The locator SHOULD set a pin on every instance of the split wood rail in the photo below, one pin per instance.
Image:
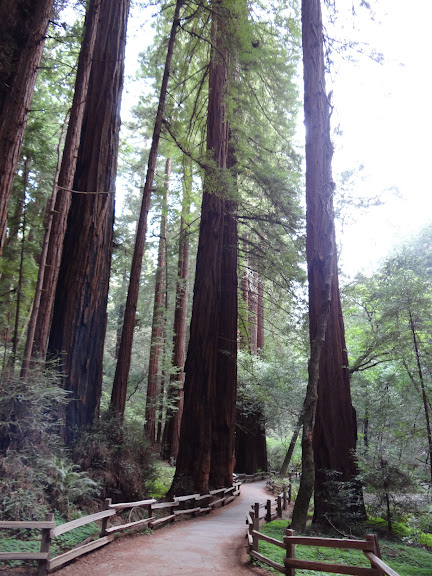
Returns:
(253, 477)
(369, 547)
(263, 513)
(193, 504)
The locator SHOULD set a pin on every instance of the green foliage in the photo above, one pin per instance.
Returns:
(36, 475)
(341, 499)
(391, 375)
(389, 491)
(74, 537)
(275, 383)
(68, 486)
(118, 458)
(163, 480)
(277, 449)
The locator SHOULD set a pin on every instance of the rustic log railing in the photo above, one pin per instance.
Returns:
(263, 513)
(369, 547)
(275, 488)
(193, 504)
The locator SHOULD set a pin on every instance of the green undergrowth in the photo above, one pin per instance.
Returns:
(406, 533)
(30, 540)
(162, 483)
(406, 560)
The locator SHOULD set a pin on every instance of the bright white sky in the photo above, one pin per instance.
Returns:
(384, 114)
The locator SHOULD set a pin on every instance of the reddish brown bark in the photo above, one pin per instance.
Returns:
(170, 444)
(58, 208)
(79, 319)
(157, 333)
(260, 314)
(194, 457)
(23, 26)
(253, 314)
(329, 425)
(224, 407)
(118, 395)
(244, 310)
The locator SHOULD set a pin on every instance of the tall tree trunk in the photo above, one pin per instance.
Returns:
(244, 311)
(423, 390)
(79, 319)
(329, 427)
(260, 313)
(23, 27)
(19, 291)
(290, 451)
(170, 443)
(157, 333)
(42, 264)
(253, 314)
(224, 407)
(118, 395)
(194, 456)
(58, 208)
(120, 315)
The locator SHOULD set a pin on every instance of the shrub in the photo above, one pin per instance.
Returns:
(36, 475)
(119, 458)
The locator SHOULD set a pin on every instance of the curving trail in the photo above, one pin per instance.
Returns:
(213, 544)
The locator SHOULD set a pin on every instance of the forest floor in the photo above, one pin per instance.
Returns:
(213, 544)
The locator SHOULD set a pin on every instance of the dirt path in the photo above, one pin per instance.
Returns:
(211, 545)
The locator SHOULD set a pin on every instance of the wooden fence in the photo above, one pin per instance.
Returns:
(369, 547)
(253, 477)
(275, 488)
(157, 513)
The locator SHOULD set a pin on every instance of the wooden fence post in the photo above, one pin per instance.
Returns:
(105, 521)
(255, 530)
(250, 529)
(249, 521)
(376, 549)
(284, 496)
(256, 517)
(45, 547)
(290, 551)
(268, 513)
(289, 492)
(279, 506)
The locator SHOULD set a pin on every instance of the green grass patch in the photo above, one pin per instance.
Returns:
(406, 560)
(164, 477)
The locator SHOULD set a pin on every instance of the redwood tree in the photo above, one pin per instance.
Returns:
(118, 395)
(58, 207)
(201, 381)
(23, 27)
(329, 425)
(79, 319)
(171, 436)
(157, 333)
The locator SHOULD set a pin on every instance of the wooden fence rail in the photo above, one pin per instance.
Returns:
(193, 504)
(369, 547)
